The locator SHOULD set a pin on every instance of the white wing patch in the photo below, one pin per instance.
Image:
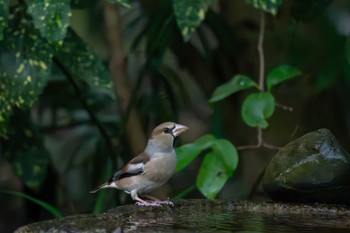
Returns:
(111, 185)
(135, 167)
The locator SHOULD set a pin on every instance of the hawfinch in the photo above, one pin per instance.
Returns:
(151, 168)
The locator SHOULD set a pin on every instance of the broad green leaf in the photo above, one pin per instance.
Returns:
(54, 211)
(189, 14)
(212, 175)
(281, 74)
(228, 154)
(258, 107)
(25, 66)
(81, 62)
(186, 154)
(4, 14)
(50, 17)
(238, 83)
(270, 6)
(126, 3)
(205, 142)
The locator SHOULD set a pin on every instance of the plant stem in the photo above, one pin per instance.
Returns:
(86, 106)
(260, 48)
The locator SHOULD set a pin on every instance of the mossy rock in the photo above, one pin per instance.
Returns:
(312, 168)
(202, 216)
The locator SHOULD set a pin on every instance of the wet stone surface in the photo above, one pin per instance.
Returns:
(205, 216)
(312, 168)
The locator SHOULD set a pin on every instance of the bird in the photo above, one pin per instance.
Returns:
(151, 168)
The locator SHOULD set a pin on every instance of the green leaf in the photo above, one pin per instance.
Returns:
(189, 14)
(205, 142)
(212, 175)
(281, 74)
(126, 3)
(25, 67)
(238, 83)
(50, 17)
(270, 6)
(257, 108)
(4, 14)
(54, 211)
(187, 153)
(80, 60)
(228, 154)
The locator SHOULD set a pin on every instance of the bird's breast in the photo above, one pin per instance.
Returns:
(160, 169)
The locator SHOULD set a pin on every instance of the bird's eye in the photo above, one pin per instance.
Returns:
(167, 130)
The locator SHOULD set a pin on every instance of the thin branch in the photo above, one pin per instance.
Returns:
(260, 48)
(284, 107)
(86, 106)
(271, 147)
(256, 146)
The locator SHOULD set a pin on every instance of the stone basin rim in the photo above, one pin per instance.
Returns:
(121, 213)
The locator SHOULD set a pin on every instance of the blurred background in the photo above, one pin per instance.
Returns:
(120, 71)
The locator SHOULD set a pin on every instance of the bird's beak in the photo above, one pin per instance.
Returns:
(179, 129)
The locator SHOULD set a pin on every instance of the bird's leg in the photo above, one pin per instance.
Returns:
(141, 202)
(156, 200)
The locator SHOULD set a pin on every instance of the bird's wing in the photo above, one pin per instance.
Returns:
(133, 168)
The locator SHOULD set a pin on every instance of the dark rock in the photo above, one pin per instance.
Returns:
(201, 216)
(312, 168)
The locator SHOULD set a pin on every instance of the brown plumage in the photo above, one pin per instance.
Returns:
(151, 168)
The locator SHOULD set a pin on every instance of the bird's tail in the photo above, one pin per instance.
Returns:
(103, 186)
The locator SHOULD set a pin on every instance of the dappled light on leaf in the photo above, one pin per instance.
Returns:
(51, 18)
(25, 65)
(189, 14)
(4, 13)
(270, 6)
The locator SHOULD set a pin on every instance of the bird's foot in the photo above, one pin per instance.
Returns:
(148, 203)
(166, 202)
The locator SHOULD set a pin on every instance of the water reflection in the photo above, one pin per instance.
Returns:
(232, 221)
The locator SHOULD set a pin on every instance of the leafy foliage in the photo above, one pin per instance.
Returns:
(257, 107)
(4, 13)
(25, 65)
(219, 163)
(80, 60)
(50, 17)
(270, 6)
(189, 14)
(281, 74)
(239, 82)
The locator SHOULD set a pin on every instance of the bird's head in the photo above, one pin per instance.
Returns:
(163, 136)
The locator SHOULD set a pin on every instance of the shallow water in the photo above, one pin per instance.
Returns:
(235, 221)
